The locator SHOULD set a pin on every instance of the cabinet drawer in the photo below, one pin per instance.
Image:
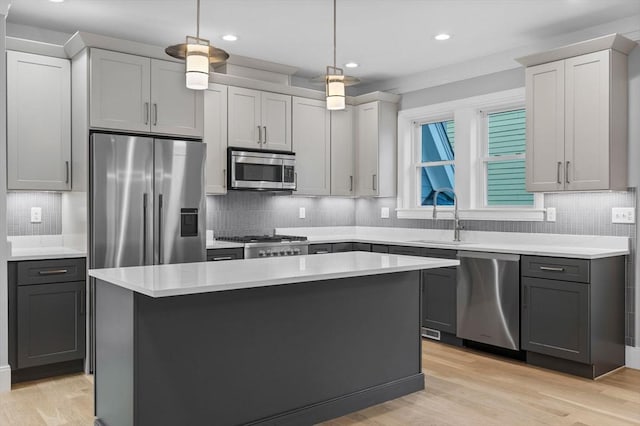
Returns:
(341, 247)
(379, 248)
(576, 270)
(51, 271)
(441, 253)
(320, 248)
(361, 247)
(217, 255)
(407, 251)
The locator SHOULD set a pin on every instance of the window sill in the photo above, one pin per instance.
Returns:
(506, 214)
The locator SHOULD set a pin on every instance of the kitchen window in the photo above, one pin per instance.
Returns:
(475, 146)
(503, 168)
(435, 167)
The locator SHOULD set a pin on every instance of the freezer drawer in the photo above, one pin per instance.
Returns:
(488, 300)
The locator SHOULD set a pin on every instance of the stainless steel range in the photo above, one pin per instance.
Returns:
(271, 245)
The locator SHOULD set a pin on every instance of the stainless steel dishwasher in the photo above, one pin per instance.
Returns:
(488, 301)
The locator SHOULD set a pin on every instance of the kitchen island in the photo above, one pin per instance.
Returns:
(288, 341)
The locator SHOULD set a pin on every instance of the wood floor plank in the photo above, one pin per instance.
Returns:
(463, 387)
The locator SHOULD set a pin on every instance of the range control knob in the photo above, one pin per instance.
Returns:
(261, 253)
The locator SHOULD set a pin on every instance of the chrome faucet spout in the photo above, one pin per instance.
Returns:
(456, 219)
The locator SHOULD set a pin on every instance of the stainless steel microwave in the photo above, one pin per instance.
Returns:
(261, 170)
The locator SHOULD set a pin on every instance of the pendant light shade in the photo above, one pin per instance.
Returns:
(198, 55)
(334, 79)
(197, 62)
(335, 89)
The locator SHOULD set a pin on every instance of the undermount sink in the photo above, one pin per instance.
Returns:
(440, 243)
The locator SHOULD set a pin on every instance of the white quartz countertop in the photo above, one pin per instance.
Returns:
(555, 245)
(205, 277)
(215, 244)
(39, 247)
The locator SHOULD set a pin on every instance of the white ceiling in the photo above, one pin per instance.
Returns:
(388, 38)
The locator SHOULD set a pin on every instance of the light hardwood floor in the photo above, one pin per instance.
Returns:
(463, 387)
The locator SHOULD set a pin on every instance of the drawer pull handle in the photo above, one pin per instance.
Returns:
(223, 258)
(53, 272)
(551, 269)
(322, 252)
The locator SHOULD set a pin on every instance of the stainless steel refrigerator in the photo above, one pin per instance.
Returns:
(147, 202)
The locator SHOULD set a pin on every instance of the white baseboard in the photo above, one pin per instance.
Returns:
(633, 357)
(5, 378)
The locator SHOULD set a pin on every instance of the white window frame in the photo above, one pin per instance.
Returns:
(469, 164)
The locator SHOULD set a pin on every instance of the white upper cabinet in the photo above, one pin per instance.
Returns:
(134, 93)
(259, 120)
(376, 149)
(120, 93)
(342, 152)
(312, 145)
(215, 137)
(175, 109)
(577, 121)
(38, 122)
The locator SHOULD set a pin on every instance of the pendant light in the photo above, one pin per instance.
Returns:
(198, 54)
(335, 77)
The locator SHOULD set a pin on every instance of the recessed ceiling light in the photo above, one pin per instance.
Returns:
(229, 37)
(56, 1)
(442, 37)
(351, 65)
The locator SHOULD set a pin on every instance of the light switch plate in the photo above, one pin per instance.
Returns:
(302, 213)
(36, 214)
(551, 214)
(623, 215)
(384, 212)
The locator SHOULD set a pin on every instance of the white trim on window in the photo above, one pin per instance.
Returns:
(469, 163)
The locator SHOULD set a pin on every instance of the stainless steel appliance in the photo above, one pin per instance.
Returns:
(147, 202)
(488, 304)
(271, 245)
(261, 170)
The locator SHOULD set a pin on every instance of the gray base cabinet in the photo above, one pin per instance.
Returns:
(47, 317)
(439, 299)
(572, 314)
(51, 323)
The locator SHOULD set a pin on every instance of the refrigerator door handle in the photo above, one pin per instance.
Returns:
(144, 228)
(160, 229)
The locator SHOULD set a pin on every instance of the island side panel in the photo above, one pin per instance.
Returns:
(288, 354)
(114, 370)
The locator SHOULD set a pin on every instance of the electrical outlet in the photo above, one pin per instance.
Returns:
(623, 215)
(36, 214)
(384, 212)
(551, 214)
(302, 213)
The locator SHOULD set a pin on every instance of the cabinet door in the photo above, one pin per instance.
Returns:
(218, 255)
(120, 91)
(245, 126)
(312, 144)
(341, 247)
(320, 248)
(367, 150)
(555, 318)
(545, 127)
(51, 323)
(215, 138)
(439, 299)
(276, 121)
(38, 122)
(342, 152)
(587, 121)
(175, 110)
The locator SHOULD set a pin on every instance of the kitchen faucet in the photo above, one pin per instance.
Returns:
(456, 219)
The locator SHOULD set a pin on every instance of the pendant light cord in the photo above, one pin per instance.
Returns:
(334, 33)
(198, 21)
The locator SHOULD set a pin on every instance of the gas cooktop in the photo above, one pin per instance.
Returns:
(271, 245)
